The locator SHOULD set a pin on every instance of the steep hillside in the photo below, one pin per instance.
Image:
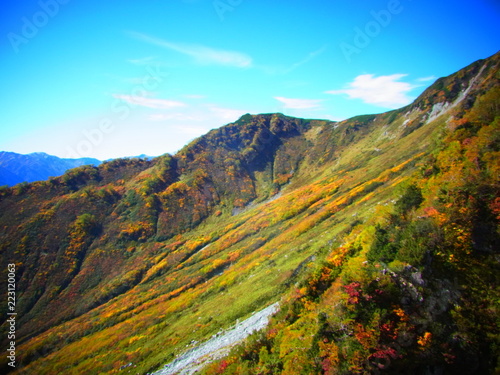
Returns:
(378, 235)
(17, 168)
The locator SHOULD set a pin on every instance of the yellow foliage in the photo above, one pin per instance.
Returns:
(425, 340)
(135, 338)
(330, 354)
(401, 314)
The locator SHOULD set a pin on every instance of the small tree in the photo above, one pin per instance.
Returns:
(412, 198)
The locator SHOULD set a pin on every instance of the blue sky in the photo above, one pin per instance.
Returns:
(116, 78)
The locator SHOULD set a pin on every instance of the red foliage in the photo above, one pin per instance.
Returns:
(222, 366)
(382, 357)
(386, 352)
(354, 291)
(387, 330)
(495, 207)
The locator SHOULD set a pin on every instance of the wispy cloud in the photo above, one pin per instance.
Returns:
(311, 56)
(178, 116)
(427, 79)
(383, 91)
(206, 114)
(299, 103)
(149, 102)
(193, 131)
(226, 114)
(282, 70)
(201, 54)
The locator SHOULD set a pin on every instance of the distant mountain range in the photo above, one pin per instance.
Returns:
(16, 168)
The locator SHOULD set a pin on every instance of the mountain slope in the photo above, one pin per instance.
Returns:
(38, 166)
(134, 260)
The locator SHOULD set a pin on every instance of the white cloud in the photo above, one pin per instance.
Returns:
(202, 54)
(226, 114)
(149, 102)
(299, 103)
(306, 59)
(283, 70)
(427, 79)
(333, 118)
(207, 114)
(177, 116)
(382, 91)
(193, 131)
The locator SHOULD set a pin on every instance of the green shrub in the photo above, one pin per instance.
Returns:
(418, 238)
(383, 248)
(412, 198)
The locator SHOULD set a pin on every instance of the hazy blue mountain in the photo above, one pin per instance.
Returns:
(16, 168)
